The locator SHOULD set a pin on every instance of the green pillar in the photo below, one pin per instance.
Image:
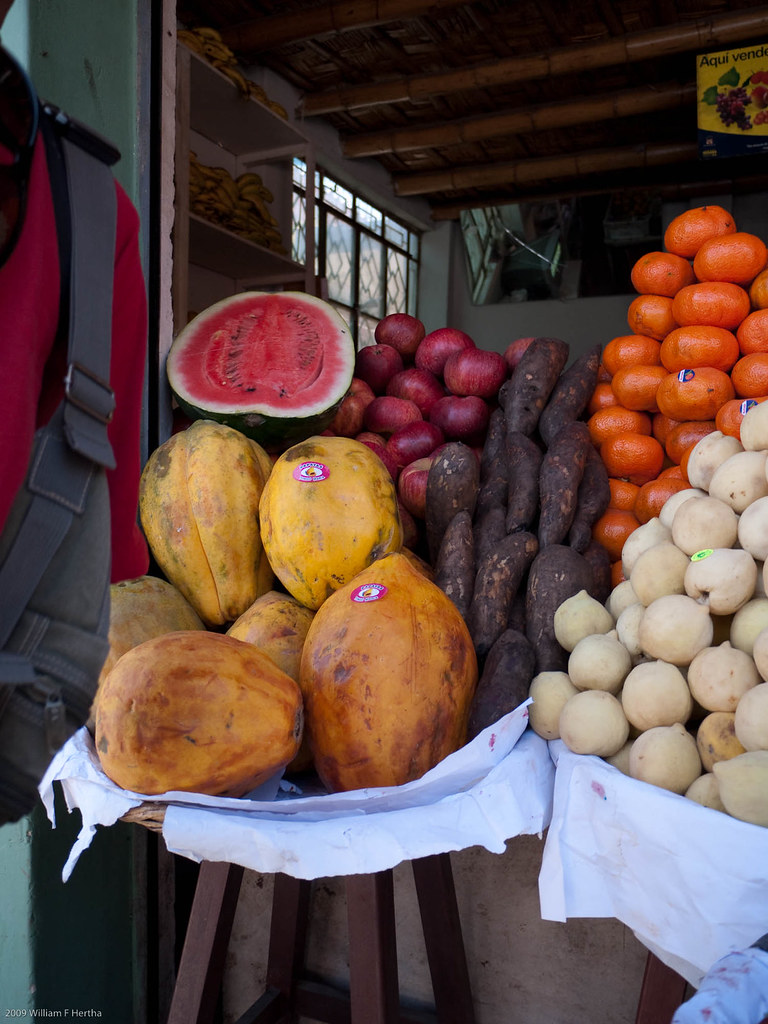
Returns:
(80, 944)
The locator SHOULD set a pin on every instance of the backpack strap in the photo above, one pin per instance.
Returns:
(89, 400)
(66, 458)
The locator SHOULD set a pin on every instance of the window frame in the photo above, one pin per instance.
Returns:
(361, 321)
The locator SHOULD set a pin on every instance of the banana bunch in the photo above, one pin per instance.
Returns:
(207, 42)
(240, 205)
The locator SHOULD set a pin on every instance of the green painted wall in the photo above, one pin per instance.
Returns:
(80, 944)
(83, 58)
(16, 948)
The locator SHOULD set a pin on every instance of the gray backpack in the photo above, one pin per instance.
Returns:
(55, 547)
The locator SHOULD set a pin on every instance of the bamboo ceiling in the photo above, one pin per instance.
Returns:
(468, 104)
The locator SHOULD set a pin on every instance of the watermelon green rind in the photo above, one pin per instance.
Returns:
(274, 366)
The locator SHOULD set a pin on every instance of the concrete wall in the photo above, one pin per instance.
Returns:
(582, 322)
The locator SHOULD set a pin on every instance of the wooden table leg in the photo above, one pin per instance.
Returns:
(373, 981)
(287, 947)
(201, 969)
(662, 993)
(443, 938)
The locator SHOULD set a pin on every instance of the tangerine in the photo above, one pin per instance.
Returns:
(612, 529)
(750, 375)
(602, 398)
(730, 415)
(686, 232)
(684, 435)
(758, 291)
(661, 426)
(652, 496)
(629, 350)
(716, 303)
(635, 457)
(623, 493)
(675, 472)
(617, 574)
(651, 315)
(752, 332)
(661, 273)
(615, 419)
(737, 258)
(603, 376)
(699, 345)
(694, 394)
(635, 386)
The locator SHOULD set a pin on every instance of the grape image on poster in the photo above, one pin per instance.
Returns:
(732, 89)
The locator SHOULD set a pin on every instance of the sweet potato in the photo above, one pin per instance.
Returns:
(527, 391)
(571, 394)
(556, 573)
(600, 563)
(523, 466)
(489, 530)
(517, 611)
(504, 682)
(593, 498)
(496, 584)
(452, 486)
(455, 563)
(492, 490)
(562, 468)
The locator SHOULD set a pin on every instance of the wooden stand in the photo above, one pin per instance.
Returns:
(373, 996)
(662, 993)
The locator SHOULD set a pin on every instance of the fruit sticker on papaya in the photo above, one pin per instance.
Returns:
(368, 592)
(311, 472)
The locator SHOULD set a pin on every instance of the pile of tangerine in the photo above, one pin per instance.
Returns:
(695, 360)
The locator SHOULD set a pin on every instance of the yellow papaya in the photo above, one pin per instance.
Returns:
(328, 510)
(388, 672)
(199, 509)
(277, 624)
(140, 609)
(197, 711)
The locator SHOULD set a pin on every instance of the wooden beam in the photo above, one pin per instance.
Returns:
(544, 168)
(261, 34)
(668, 190)
(700, 35)
(584, 110)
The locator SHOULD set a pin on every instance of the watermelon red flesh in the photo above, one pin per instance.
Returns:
(275, 366)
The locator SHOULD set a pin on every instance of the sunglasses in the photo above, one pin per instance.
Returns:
(19, 116)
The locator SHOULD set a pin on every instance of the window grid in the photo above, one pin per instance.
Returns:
(369, 260)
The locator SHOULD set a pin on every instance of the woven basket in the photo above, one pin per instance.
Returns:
(149, 815)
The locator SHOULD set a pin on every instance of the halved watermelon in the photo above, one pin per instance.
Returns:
(274, 366)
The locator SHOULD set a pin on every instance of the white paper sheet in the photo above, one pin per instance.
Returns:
(498, 786)
(691, 882)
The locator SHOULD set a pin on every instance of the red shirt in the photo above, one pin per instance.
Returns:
(31, 387)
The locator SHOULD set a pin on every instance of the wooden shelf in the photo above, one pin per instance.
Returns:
(238, 133)
(240, 124)
(228, 253)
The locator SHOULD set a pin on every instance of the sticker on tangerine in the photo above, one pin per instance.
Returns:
(368, 592)
(311, 472)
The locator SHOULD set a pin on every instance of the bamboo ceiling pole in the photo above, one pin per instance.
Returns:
(541, 169)
(701, 34)
(260, 34)
(557, 115)
(667, 190)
